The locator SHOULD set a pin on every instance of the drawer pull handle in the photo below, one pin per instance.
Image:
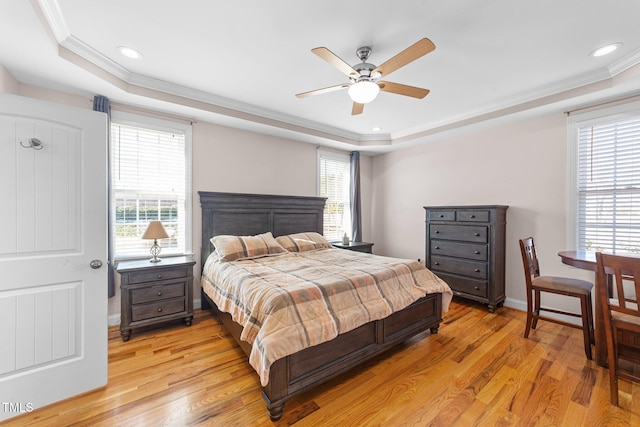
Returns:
(476, 234)
(437, 247)
(472, 216)
(159, 293)
(159, 309)
(441, 216)
(436, 263)
(437, 232)
(476, 252)
(159, 276)
(476, 270)
(477, 288)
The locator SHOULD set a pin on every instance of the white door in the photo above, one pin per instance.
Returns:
(53, 224)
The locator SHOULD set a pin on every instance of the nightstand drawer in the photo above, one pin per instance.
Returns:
(158, 309)
(159, 274)
(157, 293)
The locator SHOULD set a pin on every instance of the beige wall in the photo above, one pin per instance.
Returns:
(233, 160)
(522, 165)
(229, 160)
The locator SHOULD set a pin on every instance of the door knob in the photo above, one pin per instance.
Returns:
(95, 264)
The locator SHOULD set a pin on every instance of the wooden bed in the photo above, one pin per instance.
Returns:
(251, 214)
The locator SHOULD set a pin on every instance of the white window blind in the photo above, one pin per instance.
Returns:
(150, 180)
(334, 183)
(608, 186)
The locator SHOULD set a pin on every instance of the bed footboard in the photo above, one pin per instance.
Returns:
(310, 367)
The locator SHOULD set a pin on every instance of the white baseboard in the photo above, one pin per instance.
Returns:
(516, 304)
(113, 319)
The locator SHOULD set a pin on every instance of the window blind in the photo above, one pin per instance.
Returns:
(149, 182)
(334, 182)
(608, 186)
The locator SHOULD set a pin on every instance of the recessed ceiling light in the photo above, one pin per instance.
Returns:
(129, 52)
(605, 50)
(376, 129)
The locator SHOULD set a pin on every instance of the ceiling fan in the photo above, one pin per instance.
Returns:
(365, 83)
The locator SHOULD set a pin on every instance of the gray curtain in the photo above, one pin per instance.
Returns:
(101, 103)
(356, 215)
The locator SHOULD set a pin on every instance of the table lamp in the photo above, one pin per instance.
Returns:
(155, 230)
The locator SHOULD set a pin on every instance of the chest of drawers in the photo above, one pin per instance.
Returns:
(465, 246)
(155, 293)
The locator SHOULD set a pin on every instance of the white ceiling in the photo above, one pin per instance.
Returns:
(240, 63)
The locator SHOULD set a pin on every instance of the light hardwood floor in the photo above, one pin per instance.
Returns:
(477, 371)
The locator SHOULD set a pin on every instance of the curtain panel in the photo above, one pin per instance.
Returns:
(102, 104)
(356, 212)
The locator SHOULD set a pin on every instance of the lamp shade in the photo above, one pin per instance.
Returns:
(155, 230)
(363, 91)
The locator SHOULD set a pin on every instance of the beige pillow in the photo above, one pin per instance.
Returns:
(230, 248)
(301, 242)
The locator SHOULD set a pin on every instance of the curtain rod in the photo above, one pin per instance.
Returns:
(609, 103)
(151, 113)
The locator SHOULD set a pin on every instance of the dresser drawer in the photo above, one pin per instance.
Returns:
(159, 274)
(473, 215)
(472, 269)
(158, 309)
(464, 233)
(442, 215)
(470, 251)
(157, 293)
(467, 286)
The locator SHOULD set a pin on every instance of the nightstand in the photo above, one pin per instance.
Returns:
(354, 246)
(154, 293)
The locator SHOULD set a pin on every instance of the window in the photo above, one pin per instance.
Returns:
(150, 180)
(606, 181)
(334, 183)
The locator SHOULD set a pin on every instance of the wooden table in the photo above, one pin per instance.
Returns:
(586, 260)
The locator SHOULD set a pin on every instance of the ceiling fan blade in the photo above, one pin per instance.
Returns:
(336, 61)
(323, 90)
(357, 109)
(400, 89)
(408, 55)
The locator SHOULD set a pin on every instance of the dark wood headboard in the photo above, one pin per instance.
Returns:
(250, 214)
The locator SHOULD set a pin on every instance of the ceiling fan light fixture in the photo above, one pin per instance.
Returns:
(363, 91)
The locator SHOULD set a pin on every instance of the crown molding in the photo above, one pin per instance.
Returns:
(142, 85)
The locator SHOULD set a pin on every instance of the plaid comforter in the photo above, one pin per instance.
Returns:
(295, 300)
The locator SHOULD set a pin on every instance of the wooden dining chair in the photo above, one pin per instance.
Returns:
(621, 314)
(536, 284)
